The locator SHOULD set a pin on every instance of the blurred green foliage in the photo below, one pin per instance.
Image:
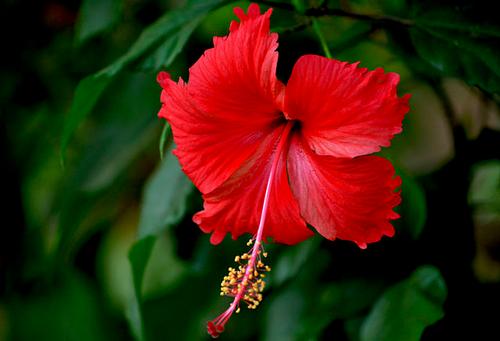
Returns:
(98, 242)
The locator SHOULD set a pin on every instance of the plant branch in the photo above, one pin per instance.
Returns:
(292, 29)
(275, 4)
(376, 18)
(322, 11)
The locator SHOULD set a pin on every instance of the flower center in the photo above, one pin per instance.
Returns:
(246, 282)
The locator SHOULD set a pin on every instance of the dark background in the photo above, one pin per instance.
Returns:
(97, 241)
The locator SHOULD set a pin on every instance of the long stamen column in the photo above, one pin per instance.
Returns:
(246, 281)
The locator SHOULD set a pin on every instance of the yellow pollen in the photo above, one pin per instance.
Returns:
(246, 280)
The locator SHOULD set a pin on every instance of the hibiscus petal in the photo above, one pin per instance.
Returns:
(235, 207)
(231, 101)
(345, 111)
(350, 199)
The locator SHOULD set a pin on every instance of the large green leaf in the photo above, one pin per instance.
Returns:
(96, 16)
(458, 44)
(291, 260)
(88, 196)
(284, 314)
(164, 204)
(87, 93)
(293, 309)
(171, 47)
(122, 133)
(343, 299)
(91, 88)
(407, 308)
(165, 195)
(139, 255)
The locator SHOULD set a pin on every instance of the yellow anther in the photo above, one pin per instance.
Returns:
(246, 278)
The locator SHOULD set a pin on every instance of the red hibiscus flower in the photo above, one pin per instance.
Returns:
(268, 158)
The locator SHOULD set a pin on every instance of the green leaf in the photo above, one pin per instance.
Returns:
(164, 204)
(95, 17)
(138, 256)
(121, 133)
(167, 51)
(88, 194)
(169, 24)
(115, 156)
(165, 134)
(299, 6)
(91, 88)
(394, 7)
(165, 198)
(163, 257)
(283, 315)
(87, 93)
(342, 299)
(407, 308)
(457, 45)
(289, 311)
(292, 259)
(155, 269)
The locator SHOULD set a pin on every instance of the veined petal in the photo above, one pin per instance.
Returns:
(350, 199)
(230, 103)
(345, 111)
(235, 207)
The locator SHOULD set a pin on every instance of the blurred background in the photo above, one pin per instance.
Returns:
(97, 241)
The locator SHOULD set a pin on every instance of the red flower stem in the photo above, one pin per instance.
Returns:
(281, 144)
(263, 215)
(222, 319)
